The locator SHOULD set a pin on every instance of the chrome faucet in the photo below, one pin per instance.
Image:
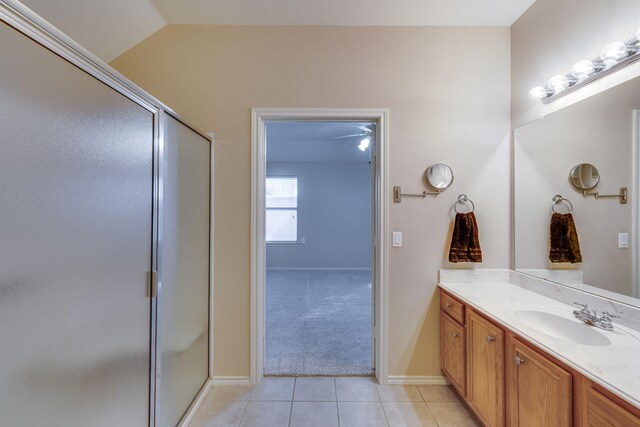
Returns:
(605, 321)
(585, 315)
(591, 317)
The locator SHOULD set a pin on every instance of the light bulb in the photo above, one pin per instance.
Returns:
(583, 69)
(364, 144)
(614, 52)
(538, 93)
(560, 82)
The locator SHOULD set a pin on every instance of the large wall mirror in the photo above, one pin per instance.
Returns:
(585, 249)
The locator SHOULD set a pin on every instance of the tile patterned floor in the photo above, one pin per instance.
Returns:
(331, 402)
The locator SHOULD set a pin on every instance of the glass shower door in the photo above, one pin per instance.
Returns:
(76, 170)
(183, 301)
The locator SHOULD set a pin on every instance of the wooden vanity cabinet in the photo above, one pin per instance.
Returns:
(485, 369)
(539, 391)
(508, 381)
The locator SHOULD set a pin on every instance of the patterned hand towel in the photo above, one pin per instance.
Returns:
(564, 245)
(465, 243)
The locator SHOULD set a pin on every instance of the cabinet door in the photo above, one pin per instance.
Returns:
(452, 352)
(602, 409)
(539, 392)
(485, 367)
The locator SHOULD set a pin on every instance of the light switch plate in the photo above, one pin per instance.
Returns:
(397, 239)
(623, 240)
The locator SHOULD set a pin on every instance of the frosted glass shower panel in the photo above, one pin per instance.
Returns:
(76, 173)
(184, 295)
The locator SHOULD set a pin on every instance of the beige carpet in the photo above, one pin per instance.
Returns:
(318, 323)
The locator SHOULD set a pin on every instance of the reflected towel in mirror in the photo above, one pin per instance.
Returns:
(564, 245)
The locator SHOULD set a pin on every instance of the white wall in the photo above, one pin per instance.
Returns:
(334, 216)
(447, 90)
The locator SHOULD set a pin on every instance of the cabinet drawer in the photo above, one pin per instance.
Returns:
(452, 355)
(452, 307)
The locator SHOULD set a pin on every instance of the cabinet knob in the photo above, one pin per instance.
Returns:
(490, 338)
(449, 305)
(456, 335)
(519, 360)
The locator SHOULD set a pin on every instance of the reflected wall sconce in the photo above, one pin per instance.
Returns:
(613, 57)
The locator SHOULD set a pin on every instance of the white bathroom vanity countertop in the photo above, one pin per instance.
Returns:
(614, 363)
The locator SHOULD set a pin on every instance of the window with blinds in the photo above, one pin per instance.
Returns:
(281, 197)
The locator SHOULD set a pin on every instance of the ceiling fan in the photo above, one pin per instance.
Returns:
(364, 131)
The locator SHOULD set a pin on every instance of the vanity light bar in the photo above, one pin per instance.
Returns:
(613, 56)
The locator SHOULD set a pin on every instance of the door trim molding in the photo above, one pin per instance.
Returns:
(259, 118)
(635, 203)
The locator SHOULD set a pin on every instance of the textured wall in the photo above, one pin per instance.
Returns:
(448, 94)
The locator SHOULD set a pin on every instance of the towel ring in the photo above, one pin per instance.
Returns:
(558, 199)
(462, 200)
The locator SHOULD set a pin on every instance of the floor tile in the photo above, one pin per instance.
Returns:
(452, 414)
(219, 414)
(438, 393)
(229, 393)
(399, 393)
(266, 414)
(315, 389)
(314, 414)
(409, 414)
(360, 414)
(356, 389)
(271, 389)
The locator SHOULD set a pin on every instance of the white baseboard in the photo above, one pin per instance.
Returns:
(417, 380)
(318, 268)
(231, 380)
(195, 405)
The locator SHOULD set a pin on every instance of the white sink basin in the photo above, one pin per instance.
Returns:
(561, 328)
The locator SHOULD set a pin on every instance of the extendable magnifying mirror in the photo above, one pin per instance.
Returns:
(439, 176)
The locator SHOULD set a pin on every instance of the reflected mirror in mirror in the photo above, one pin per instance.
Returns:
(600, 130)
(439, 176)
(584, 176)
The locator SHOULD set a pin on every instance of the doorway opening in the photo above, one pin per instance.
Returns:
(319, 247)
(318, 261)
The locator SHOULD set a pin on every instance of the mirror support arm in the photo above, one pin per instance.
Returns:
(622, 195)
(398, 194)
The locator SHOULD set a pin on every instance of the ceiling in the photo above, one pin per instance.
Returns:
(109, 28)
(106, 28)
(312, 142)
(343, 12)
